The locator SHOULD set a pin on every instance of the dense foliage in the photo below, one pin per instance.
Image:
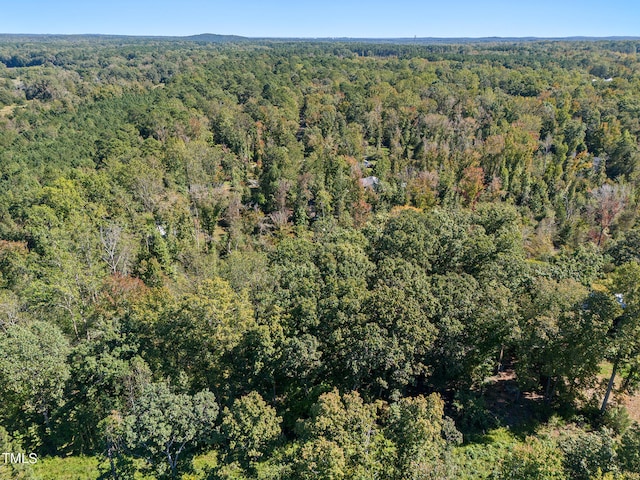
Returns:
(320, 260)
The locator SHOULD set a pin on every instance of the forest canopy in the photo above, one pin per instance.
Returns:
(320, 260)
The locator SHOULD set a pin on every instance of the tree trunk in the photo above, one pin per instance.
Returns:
(600, 236)
(550, 389)
(112, 463)
(47, 422)
(610, 386)
(553, 390)
(547, 389)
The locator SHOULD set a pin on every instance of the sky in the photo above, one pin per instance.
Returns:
(329, 18)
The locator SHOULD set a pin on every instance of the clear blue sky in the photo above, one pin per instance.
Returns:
(329, 18)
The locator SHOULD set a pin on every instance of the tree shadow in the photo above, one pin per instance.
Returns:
(499, 403)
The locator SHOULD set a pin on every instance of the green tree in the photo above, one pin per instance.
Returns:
(321, 459)
(392, 347)
(417, 427)
(165, 427)
(629, 450)
(202, 329)
(34, 372)
(350, 427)
(588, 453)
(250, 427)
(624, 342)
(120, 465)
(532, 460)
(103, 371)
(563, 335)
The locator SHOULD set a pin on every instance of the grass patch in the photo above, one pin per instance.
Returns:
(605, 370)
(86, 468)
(202, 464)
(7, 110)
(482, 458)
(68, 468)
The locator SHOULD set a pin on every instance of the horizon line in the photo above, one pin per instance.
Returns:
(415, 37)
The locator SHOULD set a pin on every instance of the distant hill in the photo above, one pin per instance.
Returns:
(214, 38)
